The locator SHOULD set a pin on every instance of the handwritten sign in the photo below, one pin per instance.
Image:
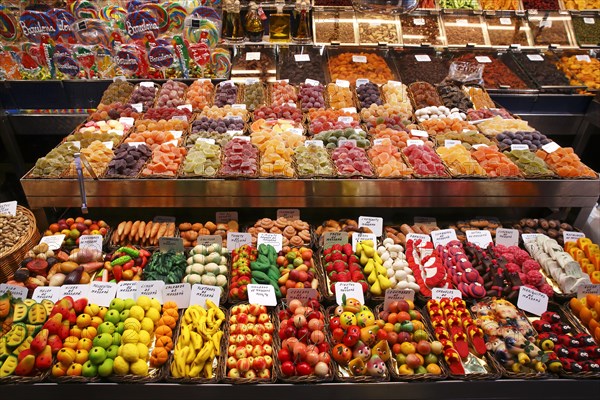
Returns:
(273, 239)
(571, 236)
(263, 295)
(200, 293)
(235, 240)
(289, 213)
(178, 293)
(440, 293)
(507, 237)
(443, 236)
(18, 292)
(584, 290)
(359, 237)
(127, 290)
(532, 301)
(170, 243)
(76, 291)
(350, 289)
(152, 289)
(301, 57)
(209, 240)
(373, 223)
(224, 217)
(102, 293)
(8, 208)
(93, 242)
(530, 237)
(52, 293)
(482, 238)
(53, 241)
(419, 133)
(392, 295)
(303, 294)
(331, 238)
(422, 58)
(418, 236)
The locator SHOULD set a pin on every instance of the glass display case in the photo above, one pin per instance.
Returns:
(374, 29)
(355, 63)
(551, 28)
(334, 26)
(465, 29)
(254, 62)
(420, 29)
(506, 29)
(501, 5)
(422, 65)
(298, 63)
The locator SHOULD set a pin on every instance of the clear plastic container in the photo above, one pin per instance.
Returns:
(551, 29)
(462, 30)
(506, 30)
(587, 29)
(418, 29)
(376, 28)
(334, 26)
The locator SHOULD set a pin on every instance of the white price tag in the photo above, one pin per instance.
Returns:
(209, 240)
(373, 223)
(18, 292)
(296, 131)
(341, 141)
(93, 242)
(397, 294)
(52, 293)
(234, 132)
(550, 147)
(532, 301)
(440, 293)
(394, 83)
(108, 145)
(128, 290)
(244, 138)
(139, 107)
(482, 238)
(571, 236)
(273, 239)
(301, 57)
(312, 82)
(253, 56)
(289, 213)
(53, 241)
(76, 291)
(263, 295)
(422, 58)
(352, 290)
(535, 57)
(179, 117)
(545, 23)
(478, 146)
(451, 143)
(530, 237)
(377, 142)
(318, 143)
(507, 237)
(223, 217)
(170, 243)
(205, 140)
(359, 237)
(519, 147)
(179, 293)
(77, 143)
(419, 133)
(462, 22)
(590, 288)
(351, 110)
(147, 84)
(152, 289)
(251, 81)
(359, 59)
(583, 57)
(418, 236)
(589, 21)
(419, 21)
(235, 240)
(342, 83)
(226, 83)
(505, 21)
(331, 238)
(200, 293)
(415, 142)
(102, 293)
(238, 106)
(360, 82)
(203, 80)
(127, 121)
(136, 144)
(304, 294)
(185, 107)
(443, 236)
(345, 120)
(483, 59)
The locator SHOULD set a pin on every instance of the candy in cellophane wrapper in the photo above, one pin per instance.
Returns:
(9, 68)
(139, 23)
(131, 60)
(9, 25)
(465, 73)
(86, 57)
(220, 62)
(32, 61)
(91, 32)
(201, 29)
(36, 24)
(63, 20)
(67, 67)
(105, 65)
(163, 61)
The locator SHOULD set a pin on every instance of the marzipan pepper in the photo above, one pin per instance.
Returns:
(120, 261)
(129, 251)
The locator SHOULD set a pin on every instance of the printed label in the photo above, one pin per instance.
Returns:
(419, 21)
(422, 58)
(253, 56)
(263, 295)
(373, 223)
(535, 57)
(519, 147)
(301, 57)
(507, 237)
(483, 59)
(505, 21)
(200, 293)
(352, 290)
(359, 59)
(532, 301)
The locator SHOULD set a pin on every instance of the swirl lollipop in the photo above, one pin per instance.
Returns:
(84, 9)
(220, 60)
(63, 20)
(202, 30)
(35, 24)
(9, 30)
(177, 14)
(138, 23)
(161, 15)
(113, 14)
(91, 32)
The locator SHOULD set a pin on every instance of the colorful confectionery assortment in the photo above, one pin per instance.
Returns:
(350, 67)
(326, 119)
(387, 160)
(446, 125)
(530, 165)
(200, 94)
(351, 160)
(459, 161)
(98, 155)
(165, 160)
(497, 125)
(398, 138)
(203, 159)
(587, 254)
(566, 163)
(425, 161)
(312, 160)
(339, 97)
(496, 164)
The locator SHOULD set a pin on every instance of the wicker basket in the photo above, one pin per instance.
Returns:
(10, 259)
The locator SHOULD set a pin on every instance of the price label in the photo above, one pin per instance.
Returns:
(108, 145)
(119, 78)
(289, 213)
(359, 59)
(483, 59)
(185, 107)
(52, 293)
(590, 288)
(200, 293)
(342, 83)
(251, 81)
(462, 22)
(301, 57)
(352, 290)
(429, 221)
(179, 118)
(377, 142)
(53, 241)
(422, 58)
(205, 140)
(394, 83)
(152, 289)
(282, 81)
(583, 57)
(550, 147)
(238, 106)
(234, 132)
(443, 236)
(128, 290)
(589, 21)
(304, 294)
(415, 142)
(360, 82)
(18, 292)
(235, 240)
(419, 21)
(223, 217)
(179, 293)
(244, 138)
(571, 236)
(253, 56)
(93, 242)
(392, 295)
(341, 141)
(296, 131)
(535, 57)
(203, 80)
(545, 23)
(419, 133)
(530, 237)
(331, 238)
(139, 107)
(226, 83)
(519, 147)
(478, 146)
(263, 295)
(359, 237)
(76, 291)
(76, 144)
(351, 110)
(418, 236)
(440, 293)
(532, 301)
(507, 237)
(373, 223)
(273, 239)
(312, 82)
(505, 21)
(209, 240)
(451, 143)
(147, 84)
(102, 293)
(318, 143)
(482, 238)
(170, 243)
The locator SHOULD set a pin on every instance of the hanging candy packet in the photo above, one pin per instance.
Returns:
(63, 20)
(138, 23)
(162, 57)
(104, 64)
(86, 58)
(199, 55)
(130, 61)
(220, 63)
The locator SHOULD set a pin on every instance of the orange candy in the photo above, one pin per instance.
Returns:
(398, 138)
(495, 163)
(566, 163)
(345, 66)
(152, 138)
(166, 159)
(446, 125)
(339, 97)
(200, 94)
(387, 160)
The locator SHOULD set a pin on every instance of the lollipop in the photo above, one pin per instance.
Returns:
(221, 62)
(63, 20)
(8, 26)
(35, 24)
(113, 14)
(128, 61)
(138, 23)
(177, 15)
(91, 32)
(202, 30)
(84, 9)
(161, 15)
(61, 50)
(206, 12)
(67, 65)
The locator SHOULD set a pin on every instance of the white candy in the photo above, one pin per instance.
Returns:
(388, 241)
(385, 256)
(393, 254)
(390, 272)
(381, 250)
(388, 263)
(400, 275)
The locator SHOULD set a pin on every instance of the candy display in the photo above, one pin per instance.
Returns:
(227, 111)
(395, 93)
(333, 139)
(220, 125)
(552, 228)
(167, 113)
(459, 161)
(118, 91)
(585, 252)
(494, 163)
(256, 62)
(128, 160)
(425, 161)
(533, 139)
(345, 225)
(312, 160)
(351, 160)
(153, 139)
(350, 67)
(226, 94)
(368, 94)
(467, 138)
(339, 96)
(496, 73)
(499, 125)
(328, 119)
(424, 94)
(581, 72)
(114, 111)
(311, 97)
(398, 138)
(254, 95)
(141, 233)
(144, 95)
(282, 93)
(421, 29)
(172, 94)
(453, 97)
(480, 98)
(283, 111)
(375, 114)
(438, 126)
(200, 94)
(240, 158)
(566, 163)
(165, 160)
(541, 5)
(103, 131)
(203, 159)
(434, 112)
(387, 160)
(582, 309)
(529, 164)
(98, 155)
(485, 113)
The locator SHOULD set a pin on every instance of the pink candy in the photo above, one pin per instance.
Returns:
(351, 160)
